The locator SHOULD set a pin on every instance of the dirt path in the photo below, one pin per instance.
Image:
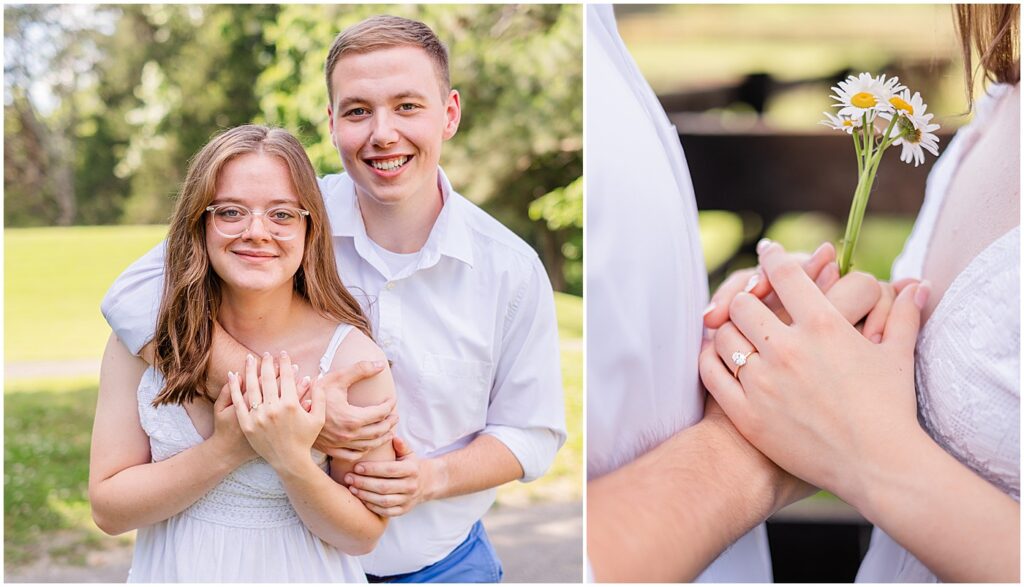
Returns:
(537, 543)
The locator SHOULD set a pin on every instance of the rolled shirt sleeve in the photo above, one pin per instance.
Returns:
(527, 408)
(133, 302)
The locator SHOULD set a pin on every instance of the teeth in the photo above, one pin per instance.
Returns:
(389, 164)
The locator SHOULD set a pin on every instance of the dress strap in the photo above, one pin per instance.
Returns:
(332, 347)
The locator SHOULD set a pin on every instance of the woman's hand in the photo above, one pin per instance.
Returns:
(276, 425)
(816, 396)
(820, 267)
(226, 430)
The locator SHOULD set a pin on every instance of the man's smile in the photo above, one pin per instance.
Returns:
(388, 164)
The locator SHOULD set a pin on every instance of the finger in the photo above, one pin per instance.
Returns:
(819, 259)
(252, 382)
(385, 512)
(899, 284)
(287, 384)
(385, 469)
(241, 410)
(402, 449)
(343, 453)
(855, 295)
(372, 434)
(730, 344)
(721, 384)
(798, 294)
(374, 414)
(318, 403)
(380, 486)
(383, 500)
(717, 312)
(304, 388)
(346, 377)
(268, 379)
(755, 320)
(874, 324)
(905, 318)
(224, 398)
(828, 277)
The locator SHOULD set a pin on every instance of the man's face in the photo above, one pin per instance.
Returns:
(388, 121)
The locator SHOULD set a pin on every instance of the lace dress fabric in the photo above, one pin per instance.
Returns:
(967, 361)
(243, 530)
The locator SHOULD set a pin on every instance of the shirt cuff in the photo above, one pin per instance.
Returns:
(535, 448)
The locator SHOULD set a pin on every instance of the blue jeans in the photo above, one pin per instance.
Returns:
(473, 561)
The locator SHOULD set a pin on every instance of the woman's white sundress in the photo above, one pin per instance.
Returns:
(967, 361)
(244, 529)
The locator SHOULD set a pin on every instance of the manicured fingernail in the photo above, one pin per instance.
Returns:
(820, 249)
(319, 376)
(305, 380)
(924, 289)
(284, 354)
(249, 359)
(876, 338)
(231, 376)
(752, 282)
(378, 364)
(295, 368)
(763, 244)
(709, 308)
(353, 490)
(266, 355)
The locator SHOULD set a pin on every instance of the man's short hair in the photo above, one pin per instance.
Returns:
(383, 32)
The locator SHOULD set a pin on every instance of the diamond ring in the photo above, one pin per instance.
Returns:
(255, 405)
(739, 359)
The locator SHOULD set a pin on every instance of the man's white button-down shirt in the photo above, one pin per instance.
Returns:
(470, 328)
(646, 283)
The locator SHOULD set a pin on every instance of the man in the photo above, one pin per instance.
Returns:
(461, 307)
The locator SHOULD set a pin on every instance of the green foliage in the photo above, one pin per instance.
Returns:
(562, 212)
(159, 80)
(47, 428)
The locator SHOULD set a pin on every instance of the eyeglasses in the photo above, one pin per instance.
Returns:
(233, 220)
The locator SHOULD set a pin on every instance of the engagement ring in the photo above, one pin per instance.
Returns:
(254, 405)
(739, 359)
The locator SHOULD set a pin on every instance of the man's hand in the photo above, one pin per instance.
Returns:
(393, 488)
(352, 431)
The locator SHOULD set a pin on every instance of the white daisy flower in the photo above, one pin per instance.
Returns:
(843, 123)
(916, 137)
(864, 95)
(913, 107)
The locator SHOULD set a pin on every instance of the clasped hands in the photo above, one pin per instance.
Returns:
(268, 411)
(817, 395)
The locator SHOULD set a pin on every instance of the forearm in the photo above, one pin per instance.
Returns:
(666, 516)
(151, 492)
(484, 463)
(959, 525)
(329, 510)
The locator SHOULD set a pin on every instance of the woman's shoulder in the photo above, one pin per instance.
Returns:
(354, 347)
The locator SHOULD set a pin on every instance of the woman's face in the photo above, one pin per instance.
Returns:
(254, 261)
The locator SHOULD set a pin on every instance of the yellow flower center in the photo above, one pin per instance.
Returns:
(901, 104)
(847, 123)
(863, 100)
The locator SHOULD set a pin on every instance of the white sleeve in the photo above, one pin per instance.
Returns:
(132, 303)
(527, 408)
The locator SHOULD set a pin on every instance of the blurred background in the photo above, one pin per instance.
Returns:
(746, 86)
(103, 107)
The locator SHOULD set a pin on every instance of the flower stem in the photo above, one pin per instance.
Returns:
(865, 181)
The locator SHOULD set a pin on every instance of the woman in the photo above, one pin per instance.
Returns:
(838, 410)
(249, 250)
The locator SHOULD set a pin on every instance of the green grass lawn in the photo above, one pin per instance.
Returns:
(54, 280)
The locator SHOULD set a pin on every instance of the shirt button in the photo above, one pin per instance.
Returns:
(390, 285)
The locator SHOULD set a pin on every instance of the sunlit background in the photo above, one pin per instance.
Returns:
(103, 107)
(751, 81)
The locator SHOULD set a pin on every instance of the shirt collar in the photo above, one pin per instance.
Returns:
(450, 235)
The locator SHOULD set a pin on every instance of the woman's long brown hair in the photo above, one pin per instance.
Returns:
(191, 298)
(993, 30)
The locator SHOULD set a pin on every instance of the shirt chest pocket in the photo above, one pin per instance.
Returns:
(450, 401)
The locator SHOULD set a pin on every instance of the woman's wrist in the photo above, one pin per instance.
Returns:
(878, 482)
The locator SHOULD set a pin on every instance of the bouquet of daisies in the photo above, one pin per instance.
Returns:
(878, 113)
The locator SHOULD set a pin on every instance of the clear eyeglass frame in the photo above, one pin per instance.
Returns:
(279, 229)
